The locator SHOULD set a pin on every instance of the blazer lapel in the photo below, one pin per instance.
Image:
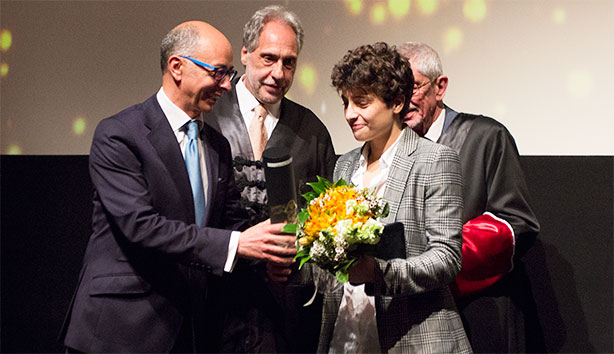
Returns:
(163, 140)
(212, 161)
(400, 169)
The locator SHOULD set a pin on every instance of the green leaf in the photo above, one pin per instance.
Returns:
(302, 216)
(301, 253)
(309, 196)
(386, 210)
(340, 182)
(317, 187)
(324, 182)
(342, 276)
(347, 265)
(290, 228)
(303, 261)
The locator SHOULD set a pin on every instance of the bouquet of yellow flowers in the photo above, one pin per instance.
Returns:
(337, 224)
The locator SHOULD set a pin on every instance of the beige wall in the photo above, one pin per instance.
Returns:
(541, 67)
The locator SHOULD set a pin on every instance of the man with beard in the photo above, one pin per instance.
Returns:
(263, 316)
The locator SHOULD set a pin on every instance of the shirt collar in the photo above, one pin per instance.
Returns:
(437, 127)
(176, 117)
(247, 101)
(386, 158)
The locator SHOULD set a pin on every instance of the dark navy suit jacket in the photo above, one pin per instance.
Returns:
(147, 268)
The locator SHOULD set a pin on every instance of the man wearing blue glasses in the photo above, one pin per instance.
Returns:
(255, 115)
(164, 204)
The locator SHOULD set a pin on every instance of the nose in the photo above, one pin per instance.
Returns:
(278, 70)
(225, 83)
(350, 112)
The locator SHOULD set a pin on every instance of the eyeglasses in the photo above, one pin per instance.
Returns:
(418, 87)
(218, 73)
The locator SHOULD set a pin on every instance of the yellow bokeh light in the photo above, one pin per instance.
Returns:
(399, 8)
(78, 126)
(355, 6)
(307, 78)
(6, 39)
(453, 39)
(580, 84)
(475, 10)
(13, 150)
(4, 69)
(559, 16)
(427, 7)
(378, 14)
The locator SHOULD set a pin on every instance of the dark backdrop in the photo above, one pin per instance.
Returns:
(45, 224)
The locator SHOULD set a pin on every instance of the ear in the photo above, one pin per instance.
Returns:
(175, 67)
(397, 104)
(441, 85)
(244, 55)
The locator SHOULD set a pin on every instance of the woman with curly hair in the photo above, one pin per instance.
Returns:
(399, 304)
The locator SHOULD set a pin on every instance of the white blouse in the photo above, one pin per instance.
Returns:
(356, 328)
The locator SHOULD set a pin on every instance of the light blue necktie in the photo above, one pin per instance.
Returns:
(192, 162)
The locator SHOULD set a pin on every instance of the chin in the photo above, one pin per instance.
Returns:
(205, 107)
(413, 123)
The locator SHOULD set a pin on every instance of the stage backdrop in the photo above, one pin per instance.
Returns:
(542, 67)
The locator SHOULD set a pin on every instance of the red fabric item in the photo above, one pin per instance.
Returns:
(488, 250)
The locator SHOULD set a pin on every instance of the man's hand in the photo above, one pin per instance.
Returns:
(278, 272)
(362, 271)
(264, 242)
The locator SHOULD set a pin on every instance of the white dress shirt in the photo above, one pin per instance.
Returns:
(247, 103)
(177, 118)
(356, 327)
(437, 127)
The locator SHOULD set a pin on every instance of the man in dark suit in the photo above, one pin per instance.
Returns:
(255, 116)
(499, 224)
(164, 197)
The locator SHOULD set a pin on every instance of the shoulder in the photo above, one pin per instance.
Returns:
(350, 156)
(483, 124)
(345, 163)
(430, 152)
(130, 120)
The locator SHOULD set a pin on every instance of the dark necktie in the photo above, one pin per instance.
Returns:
(192, 161)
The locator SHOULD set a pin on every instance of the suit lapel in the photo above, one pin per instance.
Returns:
(283, 128)
(400, 169)
(212, 161)
(163, 140)
(233, 124)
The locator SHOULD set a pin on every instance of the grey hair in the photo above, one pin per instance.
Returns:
(252, 29)
(422, 58)
(181, 40)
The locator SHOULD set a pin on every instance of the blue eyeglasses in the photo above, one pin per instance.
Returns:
(218, 73)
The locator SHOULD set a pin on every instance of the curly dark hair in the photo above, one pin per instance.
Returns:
(375, 68)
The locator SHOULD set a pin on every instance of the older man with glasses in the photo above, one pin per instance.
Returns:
(164, 207)
(499, 224)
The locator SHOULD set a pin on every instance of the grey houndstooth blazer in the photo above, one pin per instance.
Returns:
(415, 309)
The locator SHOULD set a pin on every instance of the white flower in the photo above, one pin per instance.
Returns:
(370, 232)
(343, 226)
(317, 250)
(350, 206)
